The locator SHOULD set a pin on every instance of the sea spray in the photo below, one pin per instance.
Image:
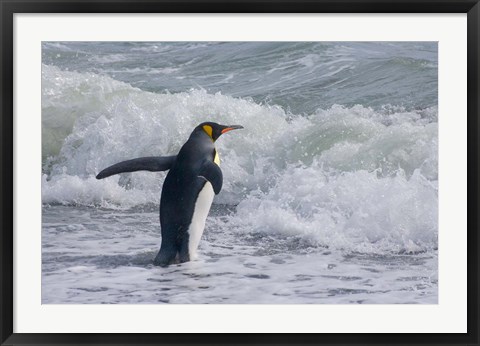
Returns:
(354, 211)
(342, 177)
(330, 192)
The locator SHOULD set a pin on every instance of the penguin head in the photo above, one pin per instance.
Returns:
(214, 130)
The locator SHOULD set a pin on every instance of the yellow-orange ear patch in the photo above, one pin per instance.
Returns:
(208, 130)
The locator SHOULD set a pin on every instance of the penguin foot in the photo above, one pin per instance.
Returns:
(164, 258)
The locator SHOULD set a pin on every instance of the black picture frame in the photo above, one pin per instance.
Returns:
(9, 7)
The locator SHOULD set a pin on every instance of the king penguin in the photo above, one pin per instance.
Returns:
(193, 179)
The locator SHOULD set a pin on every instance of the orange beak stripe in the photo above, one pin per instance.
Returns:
(227, 129)
(232, 127)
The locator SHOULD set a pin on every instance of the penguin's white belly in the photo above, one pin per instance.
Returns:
(200, 213)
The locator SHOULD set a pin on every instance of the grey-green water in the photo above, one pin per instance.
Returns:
(330, 191)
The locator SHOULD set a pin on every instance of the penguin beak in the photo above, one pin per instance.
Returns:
(231, 127)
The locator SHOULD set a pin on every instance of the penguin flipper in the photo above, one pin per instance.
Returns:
(151, 163)
(212, 173)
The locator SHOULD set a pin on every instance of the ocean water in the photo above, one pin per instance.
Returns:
(330, 191)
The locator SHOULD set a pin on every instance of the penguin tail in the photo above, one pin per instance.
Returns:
(152, 164)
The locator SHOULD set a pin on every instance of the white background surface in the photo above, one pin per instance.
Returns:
(449, 316)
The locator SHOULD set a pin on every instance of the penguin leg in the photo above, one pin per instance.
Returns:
(169, 254)
(169, 247)
(184, 254)
(174, 247)
(166, 256)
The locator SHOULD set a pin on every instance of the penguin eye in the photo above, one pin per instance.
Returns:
(208, 130)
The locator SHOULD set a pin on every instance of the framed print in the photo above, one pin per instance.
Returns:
(239, 173)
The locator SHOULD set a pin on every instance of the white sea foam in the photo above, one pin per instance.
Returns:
(330, 191)
(345, 177)
(356, 211)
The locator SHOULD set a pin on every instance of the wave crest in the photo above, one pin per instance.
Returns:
(348, 177)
